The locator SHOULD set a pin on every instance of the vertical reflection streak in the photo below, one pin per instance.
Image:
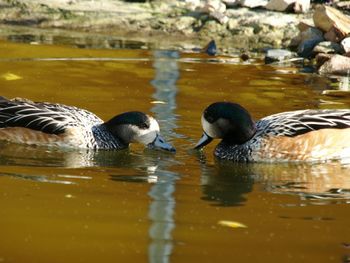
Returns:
(161, 212)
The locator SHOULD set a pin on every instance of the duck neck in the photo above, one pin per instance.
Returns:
(240, 135)
(113, 130)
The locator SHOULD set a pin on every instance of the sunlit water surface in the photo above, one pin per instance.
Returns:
(140, 205)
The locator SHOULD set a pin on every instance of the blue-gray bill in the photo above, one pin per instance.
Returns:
(160, 143)
(203, 141)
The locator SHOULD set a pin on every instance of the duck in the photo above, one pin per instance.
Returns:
(295, 136)
(58, 125)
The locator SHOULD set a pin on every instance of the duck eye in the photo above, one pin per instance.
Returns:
(210, 119)
(143, 125)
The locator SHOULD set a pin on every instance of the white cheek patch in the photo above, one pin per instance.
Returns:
(213, 129)
(147, 136)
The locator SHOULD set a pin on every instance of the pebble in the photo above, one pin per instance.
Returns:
(277, 55)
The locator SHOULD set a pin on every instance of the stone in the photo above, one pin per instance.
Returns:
(342, 5)
(213, 5)
(299, 6)
(220, 17)
(232, 24)
(192, 4)
(295, 41)
(244, 56)
(231, 3)
(215, 9)
(325, 17)
(302, 26)
(277, 55)
(345, 44)
(308, 40)
(306, 47)
(337, 93)
(321, 58)
(337, 64)
(327, 47)
(184, 23)
(246, 3)
(310, 34)
(253, 3)
(210, 48)
(334, 34)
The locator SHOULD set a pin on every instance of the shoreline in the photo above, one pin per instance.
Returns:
(162, 24)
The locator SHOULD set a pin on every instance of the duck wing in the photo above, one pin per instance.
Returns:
(295, 123)
(46, 117)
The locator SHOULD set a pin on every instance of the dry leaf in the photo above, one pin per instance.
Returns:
(11, 76)
(232, 224)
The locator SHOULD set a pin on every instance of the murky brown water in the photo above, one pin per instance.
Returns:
(139, 206)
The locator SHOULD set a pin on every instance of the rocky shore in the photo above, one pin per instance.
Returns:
(167, 23)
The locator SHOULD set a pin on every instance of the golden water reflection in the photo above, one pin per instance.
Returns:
(141, 205)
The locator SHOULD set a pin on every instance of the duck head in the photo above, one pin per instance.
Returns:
(227, 121)
(135, 126)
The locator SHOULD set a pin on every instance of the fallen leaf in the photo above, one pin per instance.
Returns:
(232, 224)
(158, 102)
(11, 76)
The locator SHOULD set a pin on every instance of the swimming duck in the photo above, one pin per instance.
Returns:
(303, 135)
(42, 123)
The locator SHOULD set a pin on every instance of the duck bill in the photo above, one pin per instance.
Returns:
(160, 143)
(203, 141)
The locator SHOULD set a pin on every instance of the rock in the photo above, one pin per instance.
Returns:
(253, 3)
(192, 4)
(220, 17)
(302, 26)
(336, 93)
(246, 3)
(327, 47)
(277, 55)
(184, 23)
(345, 44)
(308, 40)
(334, 34)
(213, 5)
(311, 33)
(321, 59)
(215, 9)
(325, 17)
(337, 64)
(210, 48)
(342, 5)
(306, 47)
(299, 6)
(231, 3)
(244, 56)
(294, 43)
(232, 24)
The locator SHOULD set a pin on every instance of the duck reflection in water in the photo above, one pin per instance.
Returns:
(225, 185)
(228, 184)
(141, 164)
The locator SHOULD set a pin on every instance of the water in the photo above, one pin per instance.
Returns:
(140, 205)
